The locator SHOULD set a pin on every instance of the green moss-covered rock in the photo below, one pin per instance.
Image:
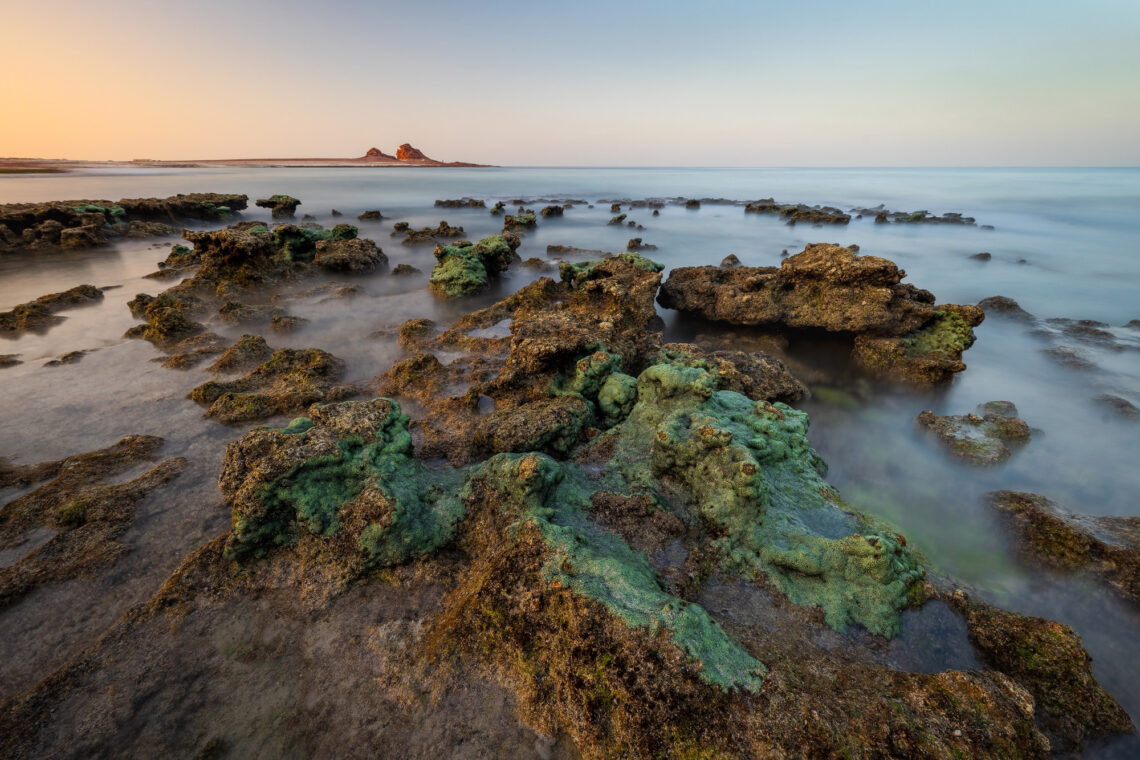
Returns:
(982, 438)
(576, 274)
(346, 472)
(464, 269)
(534, 490)
(524, 220)
(755, 478)
(295, 243)
(947, 334)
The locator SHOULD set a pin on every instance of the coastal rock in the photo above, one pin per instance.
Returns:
(730, 261)
(352, 256)
(287, 383)
(898, 331)
(1106, 546)
(465, 268)
(635, 244)
(377, 153)
(1047, 658)
(41, 313)
(372, 215)
(983, 256)
(281, 206)
(982, 438)
(461, 203)
(248, 352)
(1005, 307)
(553, 425)
(87, 511)
(1121, 406)
(548, 211)
(86, 223)
(426, 234)
(524, 220)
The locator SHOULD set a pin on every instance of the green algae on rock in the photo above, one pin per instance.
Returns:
(534, 489)
(465, 268)
(346, 472)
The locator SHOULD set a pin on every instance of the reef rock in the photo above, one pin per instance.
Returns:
(281, 206)
(465, 268)
(287, 383)
(41, 313)
(1108, 546)
(981, 438)
(898, 330)
(86, 223)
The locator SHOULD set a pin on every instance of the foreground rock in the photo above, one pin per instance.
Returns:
(87, 511)
(898, 330)
(1047, 658)
(1106, 546)
(983, 437)
(87, 223)
(41, 313)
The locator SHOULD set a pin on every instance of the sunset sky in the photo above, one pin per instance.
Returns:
(580, 83)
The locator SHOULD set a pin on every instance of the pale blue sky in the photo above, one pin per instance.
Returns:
(584, 83)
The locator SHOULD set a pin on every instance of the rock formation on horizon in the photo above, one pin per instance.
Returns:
(407, 153)
(377, 153)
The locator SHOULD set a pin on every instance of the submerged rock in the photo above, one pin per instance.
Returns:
(982, 438)
(86, 509)
(349, 256)
(524, 220)
(372, 215)
(899, 331)
(1108, 546)
(1121, 406)
(1005, 307)
(427, 234)
(41, 313)
(548, 211)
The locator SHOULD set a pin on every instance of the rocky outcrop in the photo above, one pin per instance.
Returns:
(41, 313)
(426, 235)
(87, 223)
(287, 383)
(898, 330)
(1107, 546)
(377, 153)
(461, 203)
(981, 438)
(465, 268)
(281, 206)
(407, 153)
(798, 212)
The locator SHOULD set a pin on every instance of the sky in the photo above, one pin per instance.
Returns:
(582, 83)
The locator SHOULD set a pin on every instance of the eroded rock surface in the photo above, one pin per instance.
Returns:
(898, 330)
(1107, 546)
(41, 313)
(982, 437)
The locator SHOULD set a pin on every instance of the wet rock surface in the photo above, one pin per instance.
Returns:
(87, 223)
(40, 314)
(85, 512)
(899, 332)
(983, 437)
(1106, 546)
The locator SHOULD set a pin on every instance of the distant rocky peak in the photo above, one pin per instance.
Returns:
(376, 153)
(407, 153)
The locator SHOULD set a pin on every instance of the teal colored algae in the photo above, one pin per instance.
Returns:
(382, 471)
(947, 334)
(598, 565)
(756, 481)
(598, 379)
(465, 268)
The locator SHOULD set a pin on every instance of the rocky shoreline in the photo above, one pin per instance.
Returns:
(560, 515)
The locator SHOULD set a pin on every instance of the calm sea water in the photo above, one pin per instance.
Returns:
(1065, 243)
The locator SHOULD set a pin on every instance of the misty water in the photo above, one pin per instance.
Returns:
(1065, 243)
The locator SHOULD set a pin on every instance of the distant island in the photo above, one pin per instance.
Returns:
(406, 155)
